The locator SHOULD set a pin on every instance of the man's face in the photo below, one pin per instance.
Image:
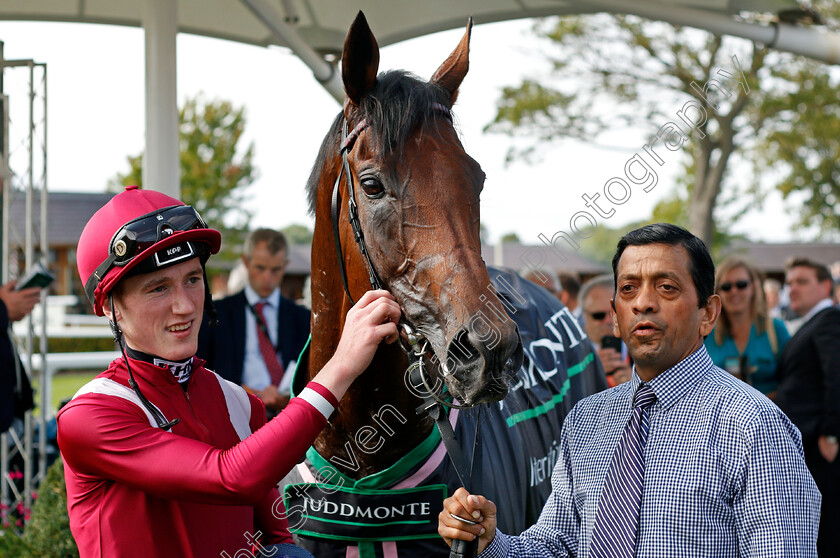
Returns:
(805, 290)
(160, 312)
(597, 316)
(656, 311)
(265, 270)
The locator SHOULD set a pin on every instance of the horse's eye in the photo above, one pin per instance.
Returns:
(372, 187)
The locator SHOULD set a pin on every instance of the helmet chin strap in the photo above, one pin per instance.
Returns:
(209, 307)
(118, 338)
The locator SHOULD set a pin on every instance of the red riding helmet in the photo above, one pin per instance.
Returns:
(139, 227)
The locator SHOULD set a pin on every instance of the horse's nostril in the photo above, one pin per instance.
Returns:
(461, 351)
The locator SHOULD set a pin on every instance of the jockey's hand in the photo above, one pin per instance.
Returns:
(475, 508)
(372, 320)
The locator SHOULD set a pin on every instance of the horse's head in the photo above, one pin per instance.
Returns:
(417, 193)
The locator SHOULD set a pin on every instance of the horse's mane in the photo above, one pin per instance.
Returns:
(398, 102)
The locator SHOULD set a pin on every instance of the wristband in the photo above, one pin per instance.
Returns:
(832, 440)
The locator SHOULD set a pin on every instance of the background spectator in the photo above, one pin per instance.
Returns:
(570, 289)
(15, 389)
(236, 347)
(746, 341)
(809, 387)
(595, 297)
(772, 291)
(544, 279)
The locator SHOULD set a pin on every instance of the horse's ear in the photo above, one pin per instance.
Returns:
(451, 73)
(360, 60)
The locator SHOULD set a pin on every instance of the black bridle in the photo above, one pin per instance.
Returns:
(347, 142)
(414, 345)
(412, 339)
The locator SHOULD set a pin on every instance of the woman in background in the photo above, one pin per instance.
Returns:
(746, 341)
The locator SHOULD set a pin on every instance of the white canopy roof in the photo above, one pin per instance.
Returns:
(315, 31)
(322, 24)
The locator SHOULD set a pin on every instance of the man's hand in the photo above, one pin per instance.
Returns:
(19, 303)
(614, 365)
(272, 398)
(828, 447)
(372, 320)
(475, 508)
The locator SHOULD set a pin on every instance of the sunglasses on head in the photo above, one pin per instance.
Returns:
(740, 285)
(598, 316)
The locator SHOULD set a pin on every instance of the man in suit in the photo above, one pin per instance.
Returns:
(14, 305)
(809, 387)
(260, 333)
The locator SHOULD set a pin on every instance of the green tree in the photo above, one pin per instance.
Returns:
(215, 173)
(510, 238)
(297, 234)
(600, 247)
(607, 72)
(802, 144)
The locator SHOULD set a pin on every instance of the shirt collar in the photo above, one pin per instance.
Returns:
(819, 307)
(670, 385)
(252, 297)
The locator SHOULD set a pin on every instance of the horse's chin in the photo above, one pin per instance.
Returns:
(479, 388)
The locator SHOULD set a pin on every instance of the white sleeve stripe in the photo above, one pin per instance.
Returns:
(318, 401)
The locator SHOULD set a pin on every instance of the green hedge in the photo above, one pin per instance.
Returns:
(47, 533)
(76, 344)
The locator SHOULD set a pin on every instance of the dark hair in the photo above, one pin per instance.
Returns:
(702, 267)
(397, 104)
(275, 241)
(570, 283)
(823, 274)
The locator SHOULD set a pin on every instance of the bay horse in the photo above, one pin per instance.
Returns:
(396, 204)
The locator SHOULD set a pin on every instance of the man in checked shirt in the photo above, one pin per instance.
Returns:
(720, 468)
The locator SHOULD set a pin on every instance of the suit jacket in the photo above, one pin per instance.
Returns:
(223, 347)
(809, 377)
(15, 399)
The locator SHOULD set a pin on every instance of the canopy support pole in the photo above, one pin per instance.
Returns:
(323, 71)
(161, 160)
(820, 45)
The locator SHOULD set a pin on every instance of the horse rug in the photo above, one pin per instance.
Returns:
(393, 513)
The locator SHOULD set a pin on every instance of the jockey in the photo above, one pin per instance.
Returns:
(163, 457)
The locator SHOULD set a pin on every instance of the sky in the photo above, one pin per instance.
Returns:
(95, 120)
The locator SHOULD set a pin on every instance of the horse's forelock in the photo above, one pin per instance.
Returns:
(397, 104)
(393, 108)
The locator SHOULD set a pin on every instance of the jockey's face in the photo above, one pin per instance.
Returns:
(160, 312)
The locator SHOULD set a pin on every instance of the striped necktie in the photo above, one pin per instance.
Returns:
(617, 519)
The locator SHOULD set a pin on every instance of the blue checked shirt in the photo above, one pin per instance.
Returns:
(724, 473)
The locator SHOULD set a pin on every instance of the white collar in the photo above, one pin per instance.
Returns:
(253, 298)
(818, 307)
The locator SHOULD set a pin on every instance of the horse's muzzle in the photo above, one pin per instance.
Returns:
(479, 370)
